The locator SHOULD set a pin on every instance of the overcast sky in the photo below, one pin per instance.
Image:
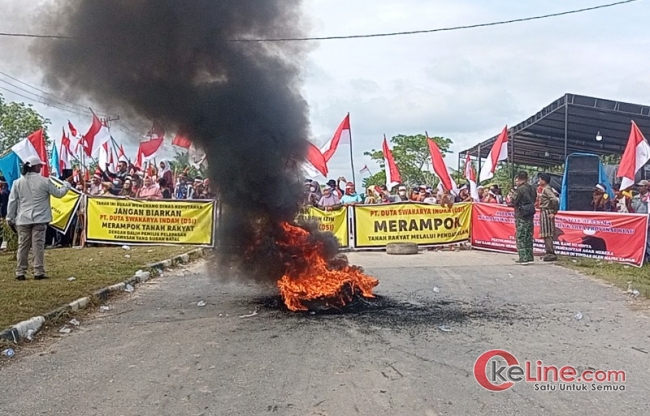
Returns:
(464, 85)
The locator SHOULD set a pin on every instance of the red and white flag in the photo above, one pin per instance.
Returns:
(121, 156)
(316, 159)
(34, 145)
(103, 157)
(440, 167)
(147, 151)
(73, 130)
(470, 175)
(156, 132)
(498, 153)
(392, 174)
(64, 153)
(364, 169)
(182, 141)
(111, 161)
(341, 136)
(97, 135)
(636, 155)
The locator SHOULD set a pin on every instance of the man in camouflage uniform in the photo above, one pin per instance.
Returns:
(521, 198)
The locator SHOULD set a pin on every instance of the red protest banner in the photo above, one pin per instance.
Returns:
(607, 236)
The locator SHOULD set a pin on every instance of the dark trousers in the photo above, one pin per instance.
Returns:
(548, 245)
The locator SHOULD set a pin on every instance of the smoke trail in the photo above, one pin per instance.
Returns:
(170, 60)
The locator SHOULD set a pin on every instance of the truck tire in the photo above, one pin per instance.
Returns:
(401, 248)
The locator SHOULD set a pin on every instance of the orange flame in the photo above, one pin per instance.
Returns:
(316, 281)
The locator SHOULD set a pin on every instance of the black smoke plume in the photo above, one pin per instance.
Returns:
(174, 61)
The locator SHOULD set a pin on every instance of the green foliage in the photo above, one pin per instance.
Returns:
(504, 176)
(17, 121)
(411, 154)
(611, 159)
(181, 161)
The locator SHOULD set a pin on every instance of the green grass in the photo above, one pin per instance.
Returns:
(618, 274)
(93, 267)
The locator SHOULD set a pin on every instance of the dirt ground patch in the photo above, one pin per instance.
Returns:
(93, 268)
(623, 276)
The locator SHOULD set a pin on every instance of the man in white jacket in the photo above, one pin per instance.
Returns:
(29, 210)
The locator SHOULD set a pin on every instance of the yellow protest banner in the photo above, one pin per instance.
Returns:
(335, 222)
(63, 209)
(128, 221)
(424, 224)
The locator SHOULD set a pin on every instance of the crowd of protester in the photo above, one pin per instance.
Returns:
(635, 199)
(340, 193)
(153, 183)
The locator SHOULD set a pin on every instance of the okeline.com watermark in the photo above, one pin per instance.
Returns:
(493, 374)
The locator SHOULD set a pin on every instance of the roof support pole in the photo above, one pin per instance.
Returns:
(566, 126)
(512, 155)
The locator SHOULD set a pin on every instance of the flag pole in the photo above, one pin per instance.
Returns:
(354, 181)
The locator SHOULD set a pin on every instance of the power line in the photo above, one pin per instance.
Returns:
(58, 103)
(43, 102)
(60, 106)
(62, 100)
(376, 35)
(31, 35)
(58, 100)
(445, 29)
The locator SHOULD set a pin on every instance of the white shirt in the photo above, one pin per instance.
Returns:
(29, 200)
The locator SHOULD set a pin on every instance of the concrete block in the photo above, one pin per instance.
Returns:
(34, 324)
(81, 303)
(117, 287)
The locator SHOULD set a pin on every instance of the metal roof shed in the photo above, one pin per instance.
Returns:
(568, 125)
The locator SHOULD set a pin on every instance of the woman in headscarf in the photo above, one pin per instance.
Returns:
(490, 197)
(313, 193)
(166, 173)
(372, 196)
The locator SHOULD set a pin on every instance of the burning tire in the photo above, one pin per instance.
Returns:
(401, 248)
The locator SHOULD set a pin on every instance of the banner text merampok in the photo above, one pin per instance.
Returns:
(377, 225)
(127, 221)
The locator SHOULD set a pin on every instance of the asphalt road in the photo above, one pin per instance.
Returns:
(157, 353)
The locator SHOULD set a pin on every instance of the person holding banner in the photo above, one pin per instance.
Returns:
(351, 197)
(600, 200)
(329, 201)
(523, 200)
(30, 211)
(149, 190)
(548, 205)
